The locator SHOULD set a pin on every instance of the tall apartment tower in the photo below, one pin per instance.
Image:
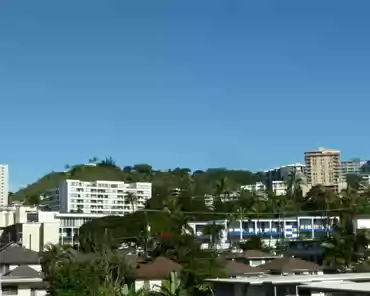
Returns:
(323, 168)
(4, 185)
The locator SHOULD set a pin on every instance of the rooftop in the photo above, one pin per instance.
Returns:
(158, 268)
(17, 255)
(289, 265)
(234, 268)
(294, 279)
(286, 166)
(338, 286)
(23, 271)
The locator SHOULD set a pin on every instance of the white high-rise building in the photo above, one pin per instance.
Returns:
(100, 197)
(4, 185)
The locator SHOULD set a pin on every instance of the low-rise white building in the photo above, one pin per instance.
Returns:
(279, 187)
(279, 285)
(341, 288)
(257, 187)
(99, 197)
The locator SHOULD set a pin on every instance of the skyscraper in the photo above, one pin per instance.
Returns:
(4, 185)
(323, 168)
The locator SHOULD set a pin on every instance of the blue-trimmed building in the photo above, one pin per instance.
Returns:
(271, 230)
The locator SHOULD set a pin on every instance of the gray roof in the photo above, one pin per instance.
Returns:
(15, 254)
(23, 271)
(289, 264)
(234, 268)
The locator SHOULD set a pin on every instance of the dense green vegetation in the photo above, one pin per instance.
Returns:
(203, 181)
(161, 229)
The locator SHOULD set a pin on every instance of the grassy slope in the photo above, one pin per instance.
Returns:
(85, 173)
(171, 179)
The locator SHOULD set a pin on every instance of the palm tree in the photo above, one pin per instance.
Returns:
(215, 233)
(172, 287)
(294, 185)
(320, 197)
(93, 160)
(221, 187)
(172, 207)
(52, 256)
(132, 199)
(239, 216)
(258, 206)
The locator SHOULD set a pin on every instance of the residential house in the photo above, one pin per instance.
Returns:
(150, 274)
(291, 265)
(13, 256)
(20, 272)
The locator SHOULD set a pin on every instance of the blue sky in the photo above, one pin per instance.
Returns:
(210, 83)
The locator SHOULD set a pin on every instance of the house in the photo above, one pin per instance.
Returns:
(291, 265)
(150, 274)
(252, 257)
(20, 271)
(13, 255)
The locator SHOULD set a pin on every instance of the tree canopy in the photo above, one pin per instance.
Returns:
(107, 169)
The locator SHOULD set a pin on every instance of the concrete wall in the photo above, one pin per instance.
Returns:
(6, 218)
(31, 236)
(49, 234)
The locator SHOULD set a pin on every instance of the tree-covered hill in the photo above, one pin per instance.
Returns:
(203, 181)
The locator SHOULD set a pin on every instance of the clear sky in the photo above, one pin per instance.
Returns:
(191, 83)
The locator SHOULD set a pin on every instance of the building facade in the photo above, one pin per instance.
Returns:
(4, 185)
(270, 230)
(283, 173)
(100, 197)
(352, 167)
(323, 168)
(257, 187)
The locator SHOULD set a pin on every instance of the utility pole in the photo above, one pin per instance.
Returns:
(146, 238)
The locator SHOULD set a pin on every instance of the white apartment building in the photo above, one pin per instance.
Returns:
(283, 173)
(4, 185)
(279, 187)
(100, 197)
(258, 187)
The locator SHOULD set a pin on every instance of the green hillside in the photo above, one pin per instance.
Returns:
(203, 181)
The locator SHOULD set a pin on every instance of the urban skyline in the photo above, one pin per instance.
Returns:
(353, 165)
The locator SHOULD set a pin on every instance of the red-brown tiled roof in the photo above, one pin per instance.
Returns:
(157, 269)
(290, 264)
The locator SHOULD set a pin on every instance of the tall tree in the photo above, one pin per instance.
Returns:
(214, 231)
(52, 256)
(132, 199)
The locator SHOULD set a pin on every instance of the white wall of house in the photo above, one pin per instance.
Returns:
(31, 236)
(23, 290)
(153, 285)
